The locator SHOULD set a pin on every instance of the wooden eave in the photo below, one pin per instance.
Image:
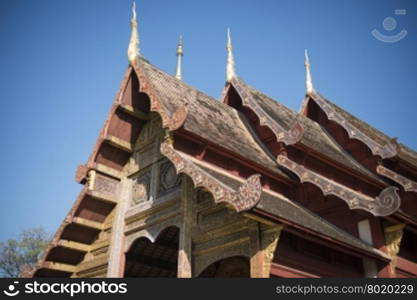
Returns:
(246, 195)
(293, 137)
(382, 153)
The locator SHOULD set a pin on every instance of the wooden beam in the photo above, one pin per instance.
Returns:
(102, 196)
(119, 143)
(88, 223)
(74, 245)
(59, 266)
(134, 112)
(107, 170)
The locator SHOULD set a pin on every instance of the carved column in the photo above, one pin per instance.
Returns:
(184, 251)
(393, 236)
(255, 252)
(262, 247)
(116, 249)
(270, 238)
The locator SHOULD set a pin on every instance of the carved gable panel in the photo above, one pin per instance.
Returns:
(141, 188)
(168, 178)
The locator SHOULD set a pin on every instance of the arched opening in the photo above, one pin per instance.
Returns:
(158, 259)
(236, 266)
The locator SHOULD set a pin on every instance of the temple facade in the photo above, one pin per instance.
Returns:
(183, 185)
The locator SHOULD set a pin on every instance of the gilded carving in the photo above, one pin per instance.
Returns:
(269, 243)
(246, 197)
(393, 236)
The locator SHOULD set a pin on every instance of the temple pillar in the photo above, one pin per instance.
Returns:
(116, 263)
(262, 245)
(184, 251)
(393, 236)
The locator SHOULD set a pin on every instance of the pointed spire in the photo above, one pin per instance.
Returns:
(133, 49)
(230, 69)
(309, 82)
(180, 53)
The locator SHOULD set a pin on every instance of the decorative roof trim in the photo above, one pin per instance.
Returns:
(387, 202)
(172, 122)
(389, 150)
(408, 184)
(288, 137)
(243, 199)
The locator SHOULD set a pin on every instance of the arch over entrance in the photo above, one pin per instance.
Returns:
(235, 266)
(158, 259)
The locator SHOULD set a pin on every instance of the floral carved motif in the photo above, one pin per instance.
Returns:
(269, 244)
(407, 184)
(393, 236)
(288, 137)
(385, 204)
(389, 150)
(245, 198)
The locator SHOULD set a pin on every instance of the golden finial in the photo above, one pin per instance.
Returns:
(133, 49)
(230, 69)
(309, 82)
(180, 53)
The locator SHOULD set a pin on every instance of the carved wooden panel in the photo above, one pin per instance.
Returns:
(246, 197)
(170, 119)
(385, 204)
(389, 150)
(105, 184)
(168, 178)
(288, 137)
(141, 188)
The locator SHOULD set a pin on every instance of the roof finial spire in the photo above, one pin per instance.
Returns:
(180, 53)
(309, 82)
(133, 49)
(230, 69)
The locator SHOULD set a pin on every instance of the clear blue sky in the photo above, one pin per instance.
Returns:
(61, 63)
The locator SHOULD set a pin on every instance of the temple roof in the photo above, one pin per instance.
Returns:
(380, 138)
(314, 136)
(208, 118)
(204, 174)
